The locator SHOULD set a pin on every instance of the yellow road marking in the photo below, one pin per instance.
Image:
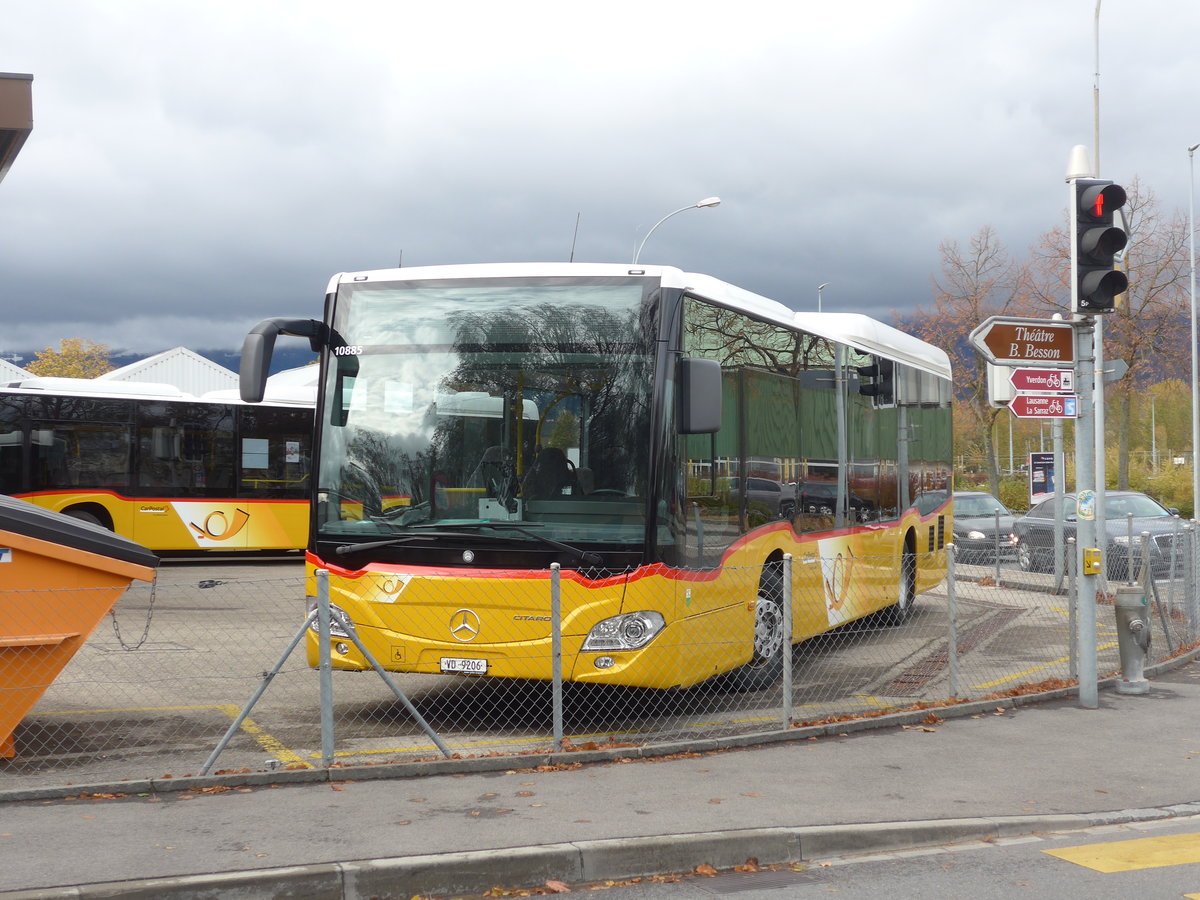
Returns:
(1128, 856)
(1017, 675)
(264, 740)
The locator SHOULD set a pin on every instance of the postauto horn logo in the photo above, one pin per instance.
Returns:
(209, 524)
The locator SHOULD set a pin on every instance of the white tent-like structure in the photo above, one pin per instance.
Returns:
(187, 370)
(10, 373)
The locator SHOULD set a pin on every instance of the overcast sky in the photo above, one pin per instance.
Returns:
(197, 166)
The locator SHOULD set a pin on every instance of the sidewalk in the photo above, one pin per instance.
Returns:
(997, 770)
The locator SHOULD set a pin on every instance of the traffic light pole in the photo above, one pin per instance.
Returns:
(1085, 543)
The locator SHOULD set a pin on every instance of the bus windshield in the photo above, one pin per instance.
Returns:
(515, 410)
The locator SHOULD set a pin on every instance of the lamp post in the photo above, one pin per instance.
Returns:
(1195, 387)
(820, 287)
(709, 201)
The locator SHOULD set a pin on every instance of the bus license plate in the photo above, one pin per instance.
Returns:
(455, 665)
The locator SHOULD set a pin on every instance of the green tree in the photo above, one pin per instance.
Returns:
(74, 358)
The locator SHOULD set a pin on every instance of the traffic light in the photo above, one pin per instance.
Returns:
(882, 385)
(1096, 242)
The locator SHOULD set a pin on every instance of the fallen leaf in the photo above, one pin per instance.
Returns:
(557, 887)
(705, 869)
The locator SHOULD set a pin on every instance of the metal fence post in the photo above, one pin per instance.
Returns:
(1150, 590)
(1129, 548)
(1192, 581)
(1072, 612)
(268, 677)
(996, 546)
(326, 661)
(952, 597)
(787, 640)
(556, 652)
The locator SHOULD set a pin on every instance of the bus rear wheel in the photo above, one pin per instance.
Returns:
(906, 596)
(83, 515)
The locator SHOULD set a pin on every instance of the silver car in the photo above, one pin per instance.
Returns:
(978, 535)
(1034, 534)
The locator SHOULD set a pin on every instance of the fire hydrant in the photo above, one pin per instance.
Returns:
(1133, 637)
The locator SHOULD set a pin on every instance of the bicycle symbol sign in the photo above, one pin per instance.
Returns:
(1026, 406)
(1043, 380)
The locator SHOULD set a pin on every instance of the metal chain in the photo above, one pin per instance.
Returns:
(112, 613)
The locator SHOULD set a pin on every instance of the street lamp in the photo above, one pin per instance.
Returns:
(820, 287)
(710, 201)
(1195, 388)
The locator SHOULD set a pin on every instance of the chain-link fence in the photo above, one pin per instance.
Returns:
(215, 675)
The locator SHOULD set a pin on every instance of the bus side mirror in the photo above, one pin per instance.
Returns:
(258, 346)
(699, 385)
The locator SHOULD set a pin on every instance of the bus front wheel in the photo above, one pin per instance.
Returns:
(770, 643)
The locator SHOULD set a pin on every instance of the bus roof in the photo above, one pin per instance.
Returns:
(56, 385)
(854, 329)
(150, 390)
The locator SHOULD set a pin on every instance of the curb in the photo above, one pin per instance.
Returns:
(586, 861)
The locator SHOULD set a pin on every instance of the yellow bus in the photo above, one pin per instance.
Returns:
(664, 437)
(171, 471)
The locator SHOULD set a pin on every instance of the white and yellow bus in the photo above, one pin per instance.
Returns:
(665, 437)
(171, 471)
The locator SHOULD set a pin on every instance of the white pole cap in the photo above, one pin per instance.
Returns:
(1078, 165)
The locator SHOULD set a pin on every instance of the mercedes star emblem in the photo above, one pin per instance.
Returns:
(464, 625)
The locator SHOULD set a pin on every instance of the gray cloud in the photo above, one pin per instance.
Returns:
(195, 166)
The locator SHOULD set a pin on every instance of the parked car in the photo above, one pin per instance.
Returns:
(820, 498)
(1034, 534)
(764, 499)
(978, 535)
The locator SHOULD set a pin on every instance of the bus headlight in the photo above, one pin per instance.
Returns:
(339, 622)
(629, 631)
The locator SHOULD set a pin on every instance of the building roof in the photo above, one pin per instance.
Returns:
(186, 370)
(16, 116)
(10, 372)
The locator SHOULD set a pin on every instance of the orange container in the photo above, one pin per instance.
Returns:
(58, 579)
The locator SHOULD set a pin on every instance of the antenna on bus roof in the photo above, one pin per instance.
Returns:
(575, 237)
(400, 264)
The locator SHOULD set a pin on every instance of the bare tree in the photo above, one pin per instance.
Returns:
(977, 282)
(1148, 327)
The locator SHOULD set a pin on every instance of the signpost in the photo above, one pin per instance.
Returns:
(1043, 381)
(1041, 477)
(1044, 406)
(1011, 341)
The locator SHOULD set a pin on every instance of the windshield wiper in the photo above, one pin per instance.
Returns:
(587, 557)
(346, 549)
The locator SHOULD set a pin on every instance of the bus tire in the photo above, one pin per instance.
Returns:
(84, 515)
(900, 611)
(766, 661)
